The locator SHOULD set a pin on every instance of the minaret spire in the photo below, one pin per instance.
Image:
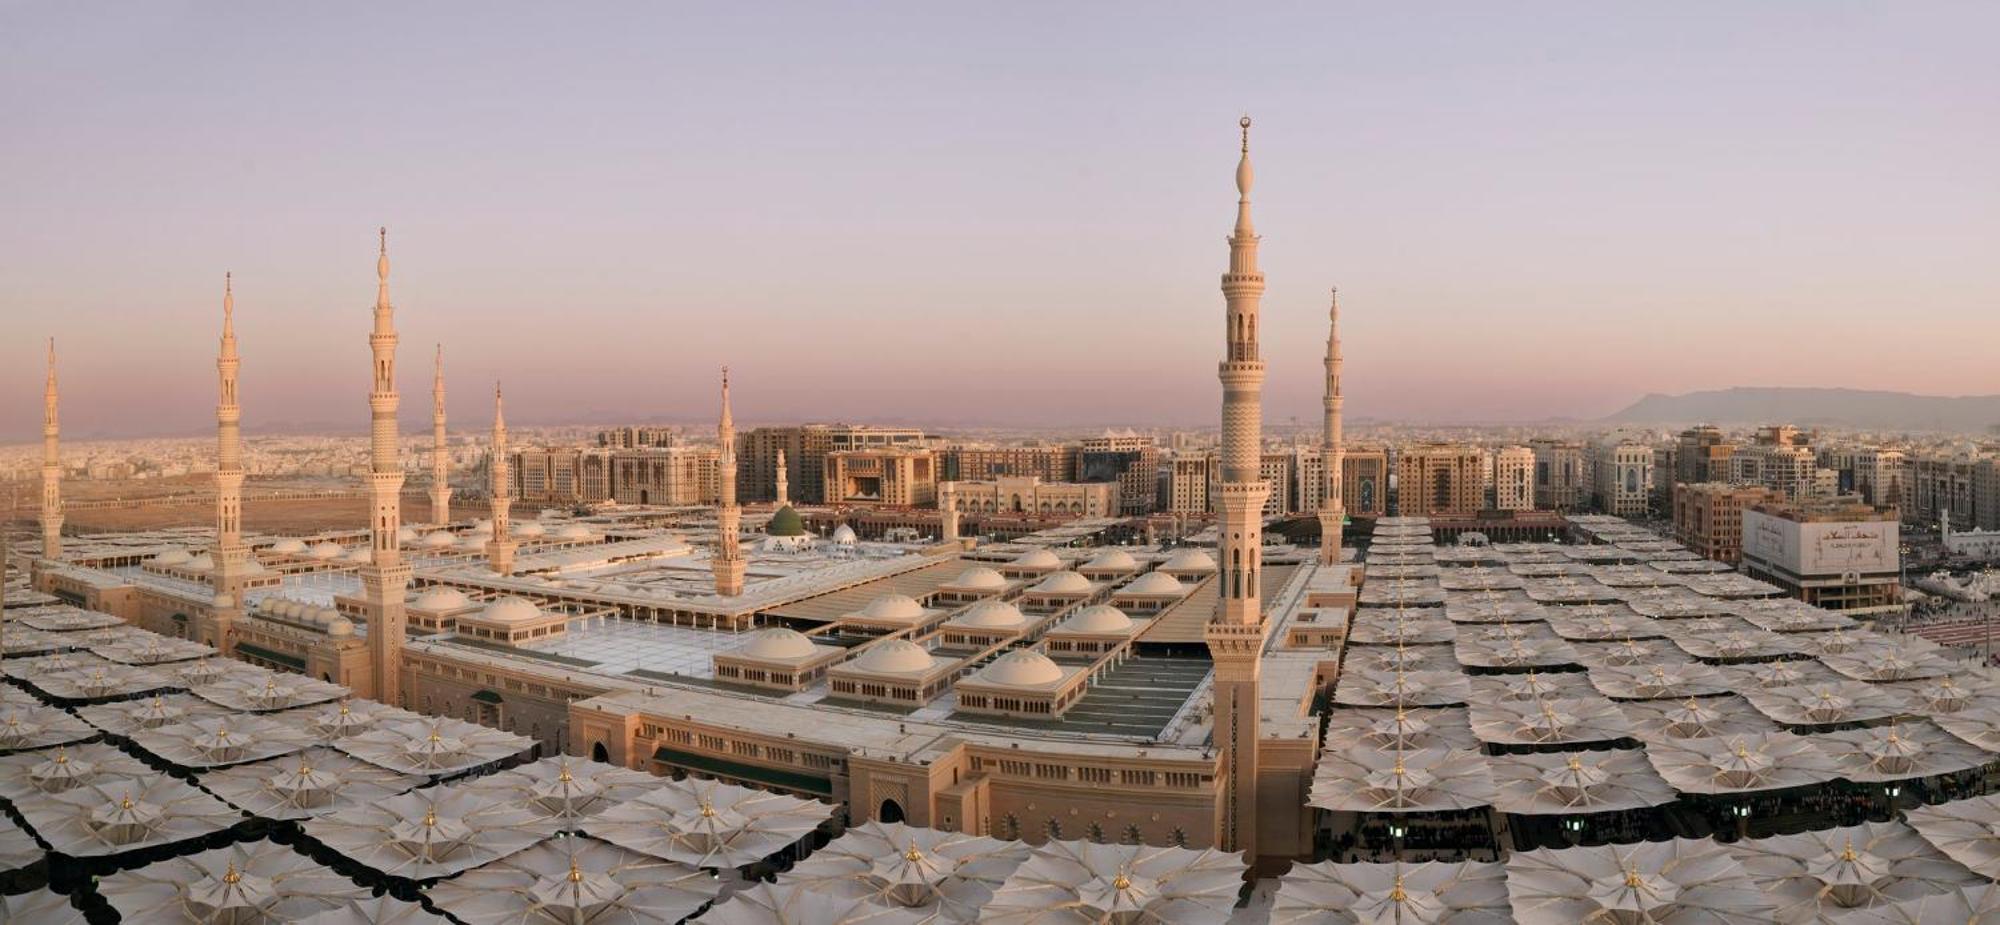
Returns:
(385, 577)
(728, 564)
(440, 459)
(784, 481)
(231, 556)
(500, 549)
(52, 501)
(1333, 502)
(1235, 634)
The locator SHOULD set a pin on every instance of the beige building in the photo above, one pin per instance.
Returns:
(888, 477)
(1840, 555)
(961, 463)
(1439, 478)
(1562, 476)
(1514, 479)
(1708, 517)
(806, 447)
(1188, 483)
(561, 475)
(1130, 460)
(1621, 477)
(674, 475)
(1031, 495)
(1364, 477)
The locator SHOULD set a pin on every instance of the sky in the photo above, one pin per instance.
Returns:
(990, 214)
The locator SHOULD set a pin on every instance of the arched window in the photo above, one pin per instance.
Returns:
(1179, 838)
(891, 811)
(1132, 836)
(1010, 826)
(1095, 833)
(1053, 829)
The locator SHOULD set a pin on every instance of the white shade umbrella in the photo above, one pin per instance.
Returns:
(1788, 615)
(1739, 643)
(571, 880)
(313, 782)
(1378, 627)
(1572, 783)
(1778, 674)
(430, 833)
(271, 692)
(1436, 893)
(1968, 831)
(129, 716)
(151, 649)
(374, 910)
(1979, 725)
(41, 907)
(26, 776)
(1819, 876)
(1399, 729)
(1366, 688)
(1900, 751)
(434, 746)
(1679, 882)
(1554, 720)
(1947, 694)
(1531, 685)
(1426, 780)
(1695, 718)
(1658, 681)
(125, 815)
(949, 875)
(258, 881)
(1976, 905)
(1084, 882)
(1740, 763)
(351, 716)
(24, 726)
(708, 824)
(1515, 651)
(768, 904)
(1826, 703)
(17, 848)
(216, 741)
(566, 789)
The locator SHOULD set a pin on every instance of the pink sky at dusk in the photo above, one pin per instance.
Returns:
(999, 214)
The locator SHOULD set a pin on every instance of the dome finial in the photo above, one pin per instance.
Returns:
(1245, 123)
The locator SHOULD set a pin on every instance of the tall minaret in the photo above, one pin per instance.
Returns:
(1332, 506)
(385, 577)
(52, 503)
(440, 462)
(1236, 634)
(728, 563)
(784, 481)
(948, 512)
(232, 557)
(500, 549)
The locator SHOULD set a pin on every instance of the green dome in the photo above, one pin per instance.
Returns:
(786, 523)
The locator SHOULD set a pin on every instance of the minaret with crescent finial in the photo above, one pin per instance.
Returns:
(1333, 504)
(52, 500)
(232, 557)
(1235, 634)
(386, 577)
(500, 549)
(440, 459)
(784, 482)
(728, 564)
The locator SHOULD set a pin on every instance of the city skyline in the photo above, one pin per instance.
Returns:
(1033, 240)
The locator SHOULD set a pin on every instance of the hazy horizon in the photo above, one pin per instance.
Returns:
(996, 216)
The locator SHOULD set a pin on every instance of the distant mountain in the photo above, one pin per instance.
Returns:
(1818, 407)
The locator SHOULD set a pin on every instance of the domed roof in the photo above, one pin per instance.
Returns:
(361, 554)
(996, 615)
(1154, 583)
(482, 525)
(201, 562)
(1189, 560)
(222, 602)
(407, 535)
(1037, 558)
(786, 522)
(844, 535)
(474, 540)
(439, 539)
(510, 610)
(1022, 668)
(326, 550)
(289, 547)
(172, 557)
(340, 626)
(574, 532)
(896, 656)
(436, 599)
(1113, 560)
(1098, 618)
(893, 606)
(777, 643)
(528, 528)
(979, 578)
(1063, 583)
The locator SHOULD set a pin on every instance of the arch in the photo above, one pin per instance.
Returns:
(1179, 838)
(1010, 826)
(645, 497)
(1095, 833)
(890, 811)
(1053, 829)
(599, 753)
(1132, 836)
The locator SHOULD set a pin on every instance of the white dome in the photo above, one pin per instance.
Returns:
(1063, 583)
(1189, 560)
(996, 615)
(201, 562)
(510, 610)
(893, 606)
(528, 528)
(896, 656)
(482, 525)
(340, 626)
(474, 540)
(172, 557)
(1113, 560)
(222, 602)
(574, 532)
(361, 554)
(326, 550)
(777, 643)
(438, 599)
(1098, 618)
(844, 535)
(289, 547)
(439, 540)
(1154, 583)
(407, 535)
(1022, 668)
(979, 578)
(1037, 558)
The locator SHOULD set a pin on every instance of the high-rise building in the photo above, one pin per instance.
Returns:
(889, 476)
(676, 475)
(1840, 556)
(1439, 478)
(1364, 476)
(1879, 476)
(561, 475)
(1128, 459)
(1561, 480)
(628, 437)
(1702, 455)
(1621, 477)
(1050, 463)
(806, 447)
(1514, 479)
(1708, 517)
(1188, 483)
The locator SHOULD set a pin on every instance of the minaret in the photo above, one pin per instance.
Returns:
(1332, 506)
(728, 563)
(440, 461)
(232, 557)
(1236, 634)
(52, 503)
(385, 577)
(500, 549)
(948, 512)
(784, 481)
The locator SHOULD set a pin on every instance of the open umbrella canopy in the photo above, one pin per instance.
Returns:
(1826, 703)
(1492, 607)
(1820, 876)
(40, 907)
(947, 875)
(1976, 905)
(1391, 659)
(1549, 721)
(1435, 893)
(1678, 882)
(63, 618)
(95, 820)
(313, 782)
(1740, 763)
(348, 717)
(1968, 831)
(1084, 882)
(1479, 578)
(1888, 663)
(269, 693)
(566, 789)
(1603, 623)
(430, 833)
(126, 717)
(1364, 688)
(1490, 647)
(1377, 626)
(25, 724)
(1569, 589)
(1731, 586)
(1778, 674)
(1573, 783)
(81, 676)
(1675, 680)
(708, 824)
(1951, 693)
(1979, 725)
(1900, 751)
(434, 746)
(22, 640)
(1531, 685)
(374, 910)
(27, 776)
(17, 848)
(1399, 729)
(151, 649)
(1553, 565)
(1695, 718)
(568, 880)
(1425, 780)
(247, 882)
(1789, 615)
(215, 741)
(1401, 592)
(1737, 642)
(1674, 603)
(768, 904)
